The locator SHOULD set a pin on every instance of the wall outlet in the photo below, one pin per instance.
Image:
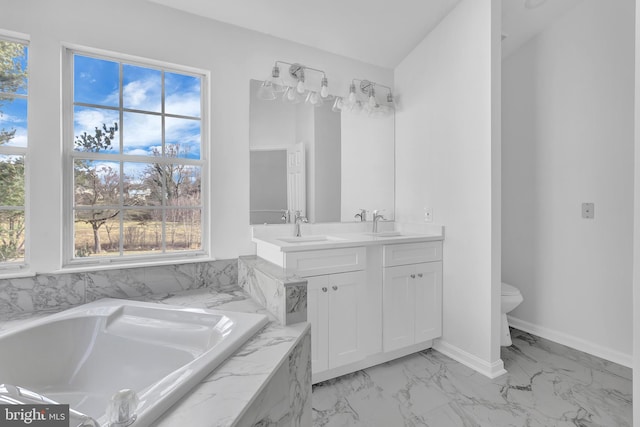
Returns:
(428, 215)
(588, 210)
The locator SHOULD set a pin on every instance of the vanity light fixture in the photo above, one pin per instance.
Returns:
(371, 104)
(297, 91)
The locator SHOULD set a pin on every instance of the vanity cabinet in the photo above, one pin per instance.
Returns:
(334, 306)
(412, 294)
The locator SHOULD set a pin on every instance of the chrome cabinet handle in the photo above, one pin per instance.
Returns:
(419, 274)
(324, 289)
(334, 287)
(413, 276)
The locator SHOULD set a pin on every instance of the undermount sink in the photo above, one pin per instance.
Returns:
(385, 234)
(306, 239)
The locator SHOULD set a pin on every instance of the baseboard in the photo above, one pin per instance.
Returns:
(491, 370)
(573, 342)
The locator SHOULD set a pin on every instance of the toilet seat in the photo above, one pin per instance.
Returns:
(508, 290)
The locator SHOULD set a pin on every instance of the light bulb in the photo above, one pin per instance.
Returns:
(291, 96)
(338, 105)
(324, 87)
(275, 80)
(352, 94)
(314, 99)
(372, 100)
(300, 86)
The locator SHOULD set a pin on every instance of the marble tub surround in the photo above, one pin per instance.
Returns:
(47, 292)
(547, 384)
(285, 296)
(234, 392)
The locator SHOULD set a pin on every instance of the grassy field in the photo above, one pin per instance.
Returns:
(137, 237)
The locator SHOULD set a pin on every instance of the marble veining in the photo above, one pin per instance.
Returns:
(547, 384)
(50, 292)
(284, 296)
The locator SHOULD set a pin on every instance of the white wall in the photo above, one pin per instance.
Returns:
(636, 226)
(232, 55)
(445, 157)
(568, 138)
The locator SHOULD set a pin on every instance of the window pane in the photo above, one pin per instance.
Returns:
(13, 67)
(142, 134)
(12, 227)
(184, 136)
(182, 95)
(142, 231)
(96, 81)
(13, 121)
(96, 130)
(142, 184)
(96, 183)
(142, 88)
(183, 228)
(11, 180)
(96, 233)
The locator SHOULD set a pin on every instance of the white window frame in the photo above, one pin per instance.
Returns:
(10, 269)
(69, 155)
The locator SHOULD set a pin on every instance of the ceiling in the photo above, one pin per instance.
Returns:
(377, 32)
(520, 24)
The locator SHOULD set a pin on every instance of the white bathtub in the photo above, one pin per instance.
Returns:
(84, 355)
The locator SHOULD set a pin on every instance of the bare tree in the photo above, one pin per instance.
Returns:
(96, 184)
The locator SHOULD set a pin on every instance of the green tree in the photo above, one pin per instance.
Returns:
(12, 223)
(13, 77)
(95, 186)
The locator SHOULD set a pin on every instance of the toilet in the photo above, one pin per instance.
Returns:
(510, 299)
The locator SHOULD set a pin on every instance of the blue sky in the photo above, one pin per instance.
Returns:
(96, 81)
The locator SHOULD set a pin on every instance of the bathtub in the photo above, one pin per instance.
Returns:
(84, 355)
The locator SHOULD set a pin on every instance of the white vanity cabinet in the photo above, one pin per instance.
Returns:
(336, 293)
(334, 305)
(412, 294)
(371, 298)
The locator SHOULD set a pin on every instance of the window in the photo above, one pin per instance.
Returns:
(13, 149)
(136, 160)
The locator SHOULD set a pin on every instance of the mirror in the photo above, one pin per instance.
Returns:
(328, 165)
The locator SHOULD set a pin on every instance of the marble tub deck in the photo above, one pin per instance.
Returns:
(262, 383)
(548, 384)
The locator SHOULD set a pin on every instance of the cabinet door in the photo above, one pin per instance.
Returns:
(346, 337)
(318, 316)
(428, 301)
(398, 296)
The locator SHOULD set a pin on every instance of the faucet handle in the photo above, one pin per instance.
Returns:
(122, 408)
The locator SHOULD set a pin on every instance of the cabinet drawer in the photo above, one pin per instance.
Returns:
(412, 253)
(328, 261)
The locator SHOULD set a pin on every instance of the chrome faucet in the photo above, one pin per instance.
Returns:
(286, 216)
(298, 219)
(362, 215)
(376, 217)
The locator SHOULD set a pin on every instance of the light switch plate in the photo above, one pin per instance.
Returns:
(588, 211)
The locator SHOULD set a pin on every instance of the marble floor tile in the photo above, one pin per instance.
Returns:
(547, 385)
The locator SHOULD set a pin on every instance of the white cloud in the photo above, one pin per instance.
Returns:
(142, 132)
